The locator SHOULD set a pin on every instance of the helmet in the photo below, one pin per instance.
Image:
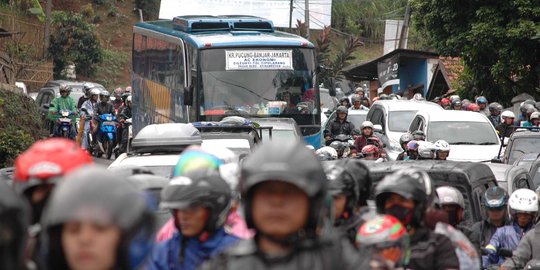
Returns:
(95, 92)
(495, 197)
(456, 102)
(14, 222)
(404, 139)
(437, 99)
(495, 107)
(419, 135)
(46, 161)
(481, 99)
(537, 105)
(65, 88)
(289, 162)
(530, 109)
(110, 199)
(128, 99)
(193, 158)
(418, 96)
(409, 183)
(523, 200)
(356, 98)
(87, 86)
(412, 146)
(474, 107)
(105, 93)
(442, 145)
(366, 124)
(445, 102)
(374, 140)
(508, 114)
(426, 150)
(128, 89)
(382, 232)
(118, 91)
(342, 109)
(450, 195)
(199, 187)
(341, 181)
(524, 107)
(326, 153)
(370, 150)
(339, 147)
(535, 115)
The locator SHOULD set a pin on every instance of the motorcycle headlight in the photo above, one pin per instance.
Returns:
(65, 114)
(394, 146)
(109, 118)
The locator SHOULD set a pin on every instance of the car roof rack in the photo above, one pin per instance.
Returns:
(165, 138)
(202, 23)
(233, 124)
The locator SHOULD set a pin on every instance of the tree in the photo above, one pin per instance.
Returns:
(494, 38)
(74, 41)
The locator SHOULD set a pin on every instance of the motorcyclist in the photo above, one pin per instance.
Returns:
(404, 195)
(523, 108)
(88, 111)
(14, 222)
(403, 141)
(104, 106)
(495, 201)
(63, 102)
(528, 121)
(118, 102)
(367, 131)
(494, 116)
(345, 101)
(453, 203)
(419, 135)
(388, 239)
(123, 131)
(37, 171)
(97, 220)
(86, 88)
(473, 108)
(523, 204)
(412, 150)
(357, 103)
(199, 201)
(535, 119)
(442, 150)
(456, 105)
(339, 126)
(283, 188)
(445, 103)
(482, 103)
(371, 152)
(506, 128)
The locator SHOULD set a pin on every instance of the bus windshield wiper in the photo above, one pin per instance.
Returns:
(460, 143)
(487, 143)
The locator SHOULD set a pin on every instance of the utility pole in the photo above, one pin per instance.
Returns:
(47, 24)
(290, 16)
(404, 35)
(307, 18)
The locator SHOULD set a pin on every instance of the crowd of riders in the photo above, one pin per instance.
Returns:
(94, 103)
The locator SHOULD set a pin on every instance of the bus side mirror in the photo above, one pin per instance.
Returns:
(188, 95)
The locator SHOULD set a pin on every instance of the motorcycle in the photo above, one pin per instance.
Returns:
(106, 136)
(125, 138)
(65, 124)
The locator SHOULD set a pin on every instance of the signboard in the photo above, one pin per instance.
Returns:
(276, 10)
(258, 60)
(388, 71)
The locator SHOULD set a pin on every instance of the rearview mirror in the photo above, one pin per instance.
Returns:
(378, 128)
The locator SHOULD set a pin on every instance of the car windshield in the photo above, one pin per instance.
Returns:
(357, 119)
(521, 146)
(399, 121)
(460, 132)
(258, 82)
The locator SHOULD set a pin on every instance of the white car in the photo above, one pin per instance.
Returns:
(393, 117)
(470, 134)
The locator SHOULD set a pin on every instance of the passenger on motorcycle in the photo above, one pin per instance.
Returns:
(442, 150)
(506, 128)
(482, 103)
(388, 240)
(86, 89)
(535, 119)
(342, 148)
(88, 111)
(523, 204)
(97, 220)
(445, 103)
(118, 102)
(456, 105)
(339, 126)
(495, 202)
(200, 202)
(367, 131)
(283, 189)
(403, 141)
(371, 152)
(14, 217)
(426, 150)
(59, 104)
(404, 195)
(453, 203)
(494, 116)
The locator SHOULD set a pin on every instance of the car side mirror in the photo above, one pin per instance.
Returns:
(496, 160)
(378, 129)
(188, 95)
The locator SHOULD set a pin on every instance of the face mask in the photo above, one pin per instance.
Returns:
(453, 217)
(404, 215)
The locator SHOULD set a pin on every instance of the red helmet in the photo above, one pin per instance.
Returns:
(445, 102)
(46, 161)
(474, 107)
(370, 150)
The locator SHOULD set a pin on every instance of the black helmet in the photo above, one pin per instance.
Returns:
(14, 220)
(410, 184)
(404, 139)
(114, 200)
(340, 181)
(353, 169)
(495, 107)
(419, 135)
(290, 162)
(342, 109)
(456, 102)
(356, 98)
(495, 197)
(200, 187)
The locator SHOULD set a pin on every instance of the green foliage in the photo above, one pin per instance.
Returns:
(494, 38)
(88, 11)
(74, 41)
(110, 70)
(20, 124)
(100, 2)
(113, 12)
(150, 8)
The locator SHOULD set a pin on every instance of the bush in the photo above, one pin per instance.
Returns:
(100, 2)
(88, 11)
(20, 125)
(111, 69)
(112, 12)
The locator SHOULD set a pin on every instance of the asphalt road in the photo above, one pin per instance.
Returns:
(103, 162)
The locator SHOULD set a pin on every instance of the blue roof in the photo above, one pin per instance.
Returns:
(228, 38)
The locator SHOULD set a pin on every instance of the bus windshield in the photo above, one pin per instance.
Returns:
(258, 82)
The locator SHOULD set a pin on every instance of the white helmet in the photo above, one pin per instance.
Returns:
(95, 91)
(450, 195)
(366, 124)
(523, 200)
(426, 149)
(535, 115)
(128, 99)
(326, 153)
(442, 145)
(508, 114)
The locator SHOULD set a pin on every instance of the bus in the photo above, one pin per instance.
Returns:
(204, 68)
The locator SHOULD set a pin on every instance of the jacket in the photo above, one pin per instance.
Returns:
(324, 253)
(187, 254)
(104, 108)
(528, 249)
(504, 130)
(482, 231)
(506, 237)
(337, 128)
(90, 108)
(432, 251)
(59, 104)
(495, 120)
